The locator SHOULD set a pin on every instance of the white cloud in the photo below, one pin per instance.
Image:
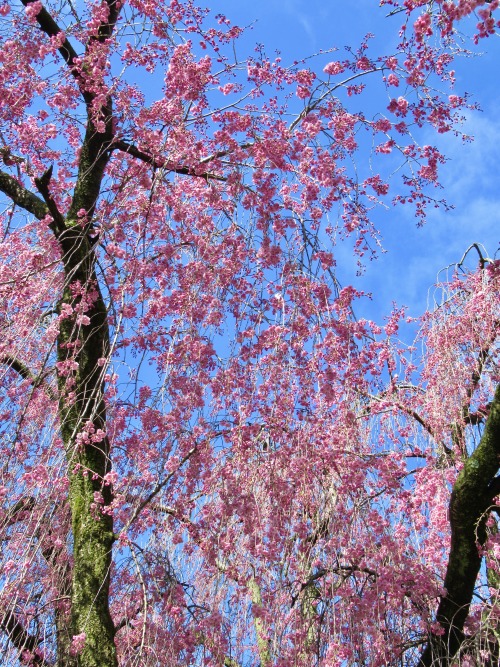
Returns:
(416, 256)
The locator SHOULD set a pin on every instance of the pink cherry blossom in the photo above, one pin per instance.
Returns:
(208, 457)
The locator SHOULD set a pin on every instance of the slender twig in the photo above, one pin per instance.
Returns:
(156, 490)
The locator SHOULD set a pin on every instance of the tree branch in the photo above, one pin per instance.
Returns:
(477, 417)
(446, 453)
(105, 30)
(125, 621)
(457, 429)
(22, 197)
(94, 156)
(478, 370)
(225, 153)
(494, 488)
(95, 149)
(49, 26)
(132, 150)
(13, 513)
(42, 185)
(157, 489)
(51, 29)
(23, 370)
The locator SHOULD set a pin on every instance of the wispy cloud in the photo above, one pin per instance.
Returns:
(416, 256)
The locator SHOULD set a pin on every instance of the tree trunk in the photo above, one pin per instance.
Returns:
(82, 409)
(261, 630)
(471, 498)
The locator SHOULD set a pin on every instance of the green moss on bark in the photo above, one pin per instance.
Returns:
(88, 463)
(81, 402)
(471, 499)
(259, 624)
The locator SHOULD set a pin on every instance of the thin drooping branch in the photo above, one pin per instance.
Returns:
(471, 500)
(477, 372)
(11, 624)
(400, 406)
(408, 410)
(62, 615)
(315, 103)
(21, 639)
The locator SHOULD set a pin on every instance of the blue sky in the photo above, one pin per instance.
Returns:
(407, 272)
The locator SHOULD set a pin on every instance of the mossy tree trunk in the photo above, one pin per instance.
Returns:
(261, 630)
(82, 345)
(82, 410)
(471, 500)
(88, 457)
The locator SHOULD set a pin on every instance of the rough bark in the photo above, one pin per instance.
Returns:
(88, 462)
(259, 624)
(471, 498)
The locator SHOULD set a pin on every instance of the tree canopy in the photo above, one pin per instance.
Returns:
(207, 457)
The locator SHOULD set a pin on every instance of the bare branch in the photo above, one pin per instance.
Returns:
(482, 259)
